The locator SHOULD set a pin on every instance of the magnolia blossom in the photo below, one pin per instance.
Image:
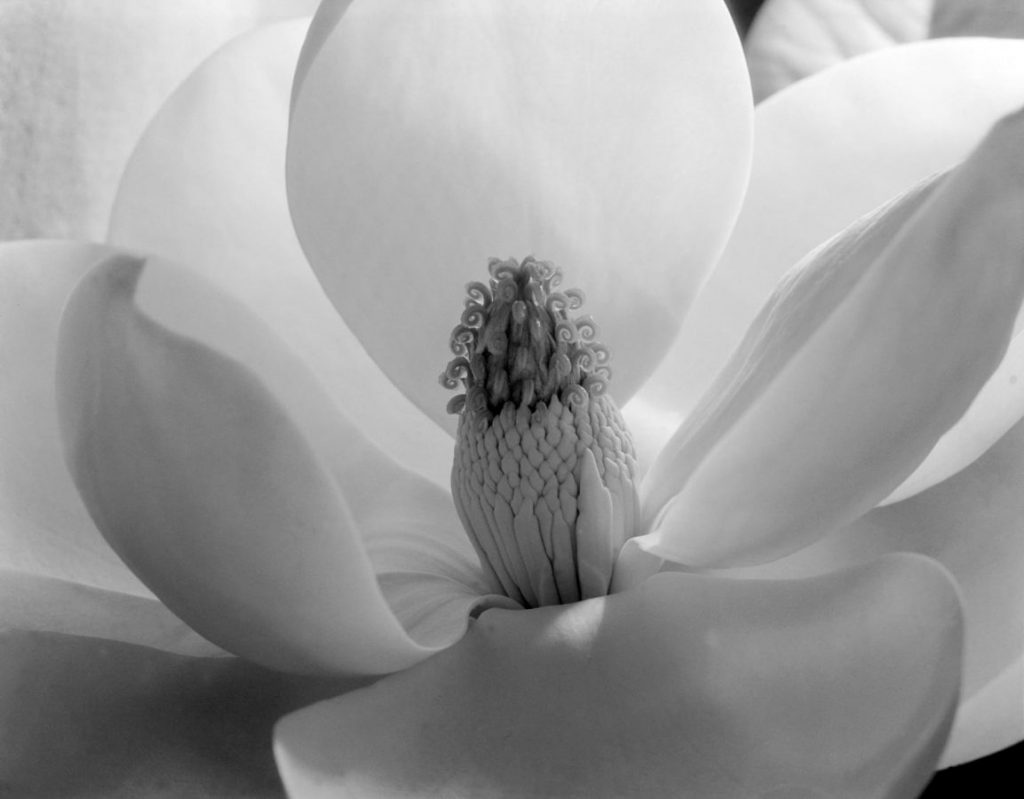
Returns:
(275, 468)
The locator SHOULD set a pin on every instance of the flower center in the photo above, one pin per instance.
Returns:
(544, 470)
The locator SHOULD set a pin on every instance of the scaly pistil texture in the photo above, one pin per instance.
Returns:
(544, 470)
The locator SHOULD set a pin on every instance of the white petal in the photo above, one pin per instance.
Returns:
(202, 475)
(79, 81)
(978, 18)
(865, 356)
(429, 136)
(827, 151)
(688, 686)
(44, 528)
(205, 186)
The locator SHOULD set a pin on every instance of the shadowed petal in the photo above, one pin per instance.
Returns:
(82, 718)
(203, 478)
(427, 137)
(45, 604)
(44, 527)
(686, 686)
(851, 373)
(827, 151)
(972, 524)
(79, 80)
(792, 39)
(205, 187)
(977, 18)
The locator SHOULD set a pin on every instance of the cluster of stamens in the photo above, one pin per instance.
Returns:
(544, 468)
(517, 343)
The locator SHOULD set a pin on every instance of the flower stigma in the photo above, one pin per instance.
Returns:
(545, 469)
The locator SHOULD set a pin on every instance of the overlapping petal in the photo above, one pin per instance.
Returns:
(44, 527)
(827, 151)
(205, 186)
(426, 137)
(972, 524)
(688, 686)
(219, 471)
(863, 358)
(78, 82)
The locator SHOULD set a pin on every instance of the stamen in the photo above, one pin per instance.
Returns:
(544, 466)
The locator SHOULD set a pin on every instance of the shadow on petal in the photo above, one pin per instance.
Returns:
(86, 717)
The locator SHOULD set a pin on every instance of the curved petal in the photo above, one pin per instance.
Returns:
(79, 81)
(792, 39)
(46, 604)
(44, 527)
(1003, 18)
(827, 151)
(687, 686)
(971, 523)
(83, 717)
(865, 356)
(427, 137)
(201, 475)
(205, 186)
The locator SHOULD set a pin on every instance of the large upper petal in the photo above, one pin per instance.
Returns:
(689, 685)
(428, 136)
(866, 354)
(827, 151)
(972, 523)
(205, 187)
(218, 469)
(78, 82)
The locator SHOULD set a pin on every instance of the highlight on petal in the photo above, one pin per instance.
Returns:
(427, 137)
(189, 430)
(829, 150)
(44, 527)
(690, 685)
(84, 717)
(971, 524)
(868, 352)
(205, 187)
(793, 39)
(46, 604)
(79, 81)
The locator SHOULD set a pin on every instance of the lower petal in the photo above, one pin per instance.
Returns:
(688, 685)
(82, 717)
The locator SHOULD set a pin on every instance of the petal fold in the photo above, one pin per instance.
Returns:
(689, 685)
(44, 527)
(205, 187)
(866, 354)
(204, 479)
(428, 137)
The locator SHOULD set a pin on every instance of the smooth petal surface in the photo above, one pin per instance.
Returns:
(203, 478)
(864, 357)
(828, 151)
(792, 39)
(1004, 18)
(427, 137)
(972, 523)
(205, 186)
(82, 718)
(79, 80)
(44, 527)
(688, 686)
